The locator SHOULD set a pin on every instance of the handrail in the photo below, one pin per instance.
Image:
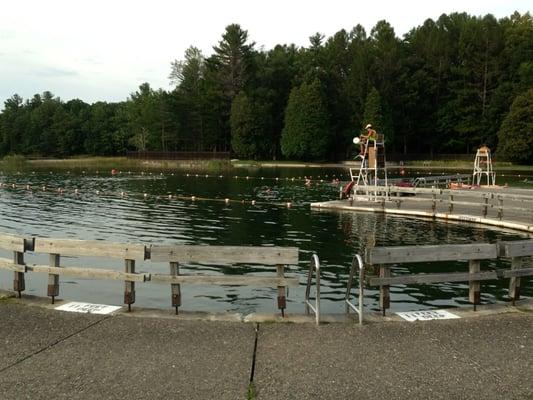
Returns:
(314, 265)
(357, 261)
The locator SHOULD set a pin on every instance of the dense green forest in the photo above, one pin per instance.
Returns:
(447, 87)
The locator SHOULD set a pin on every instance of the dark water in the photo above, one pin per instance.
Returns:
(135, 207)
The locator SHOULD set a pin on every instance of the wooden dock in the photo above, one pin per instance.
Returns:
(502, 207)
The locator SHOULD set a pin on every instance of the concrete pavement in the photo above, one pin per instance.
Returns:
(47, 354)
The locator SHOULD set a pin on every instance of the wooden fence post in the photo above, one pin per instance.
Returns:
(500, 207)
(485, 205)
(175, 287)
(434, 202)
(450, 208)
(474, 295)
(19, 284)
(282, 300)
(53, 279)
(129, 289)
(514, 283)
(384, 290)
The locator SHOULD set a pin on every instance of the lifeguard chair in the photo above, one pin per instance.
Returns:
(373, 168)
(483, 167)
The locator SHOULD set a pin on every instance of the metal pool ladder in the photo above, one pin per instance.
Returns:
(357, 262)
(314, 266)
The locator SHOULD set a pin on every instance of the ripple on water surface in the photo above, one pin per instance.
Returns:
(115, 208)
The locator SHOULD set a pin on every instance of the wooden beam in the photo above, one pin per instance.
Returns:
(19, 283)
(89, 273)
(53, 279)
(12, 243)
(91, 248)
(474, 293)
(451, 252)
(520, 272)
(518, 248)
(129, 286)
(384, 290)
(240, 280)
(421, 279)
(11, 266)
(222, 255)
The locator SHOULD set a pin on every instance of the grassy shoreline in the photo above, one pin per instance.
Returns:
(17, 162)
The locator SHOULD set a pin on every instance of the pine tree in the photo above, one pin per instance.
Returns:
(306, 133)
(516, 132)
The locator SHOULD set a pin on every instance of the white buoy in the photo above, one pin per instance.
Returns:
(193, 198)
(76, 191)
(289, 204)
(145, 195)
(253, 202)
(226, 200)
(97, 192)
(170, 196)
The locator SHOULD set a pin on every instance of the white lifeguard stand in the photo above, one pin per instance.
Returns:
(483, 167)
(373, 169)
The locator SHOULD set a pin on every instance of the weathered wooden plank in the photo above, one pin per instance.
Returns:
(225, 254)
(11, 266)
(175, 288)
(91, 248)
(520, 272)
(53, 279)
(19, 282)
(282, 291)
(450, 252)
(422, 279)
(89, 273)
(242, 280)
(129, 286)
(474, 293)
(514, 282)
(12, 242)
(519, 248)
(384, 290)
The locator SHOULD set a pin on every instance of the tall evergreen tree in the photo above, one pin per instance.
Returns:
(516, 132)
(306, 132)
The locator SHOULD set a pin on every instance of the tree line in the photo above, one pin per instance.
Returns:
(447, 86)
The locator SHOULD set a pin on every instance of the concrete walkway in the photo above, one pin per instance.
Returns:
(47, 354)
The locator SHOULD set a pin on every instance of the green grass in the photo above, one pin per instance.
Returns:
(251, 392)
(14, 162)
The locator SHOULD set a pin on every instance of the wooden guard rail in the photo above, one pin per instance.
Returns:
(385, 257)
(130, 253)
(521, 203)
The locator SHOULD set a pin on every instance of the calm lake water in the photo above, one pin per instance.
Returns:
(145, 214)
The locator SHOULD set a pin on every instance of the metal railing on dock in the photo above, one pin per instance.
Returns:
(314, 267)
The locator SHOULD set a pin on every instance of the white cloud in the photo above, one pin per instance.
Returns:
(105, 49)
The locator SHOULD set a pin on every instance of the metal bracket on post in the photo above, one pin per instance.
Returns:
(357, 262)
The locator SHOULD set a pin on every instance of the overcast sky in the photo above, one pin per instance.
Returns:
(104, 49)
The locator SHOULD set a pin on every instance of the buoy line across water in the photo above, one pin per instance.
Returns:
(145, 196)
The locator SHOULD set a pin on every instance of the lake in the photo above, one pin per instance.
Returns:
(134, 207)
